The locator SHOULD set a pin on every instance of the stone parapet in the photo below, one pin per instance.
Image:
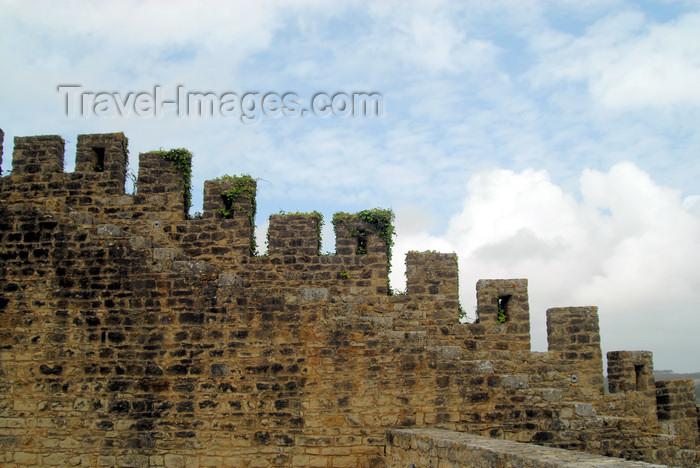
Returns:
(677, 410)
(434, 447)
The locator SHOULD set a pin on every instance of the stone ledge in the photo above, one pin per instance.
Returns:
(448, 449)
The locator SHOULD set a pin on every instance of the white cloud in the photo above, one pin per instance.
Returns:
(692, 204)
(627, 246)
(627, 61)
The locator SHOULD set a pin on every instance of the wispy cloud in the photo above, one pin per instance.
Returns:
(627, 61)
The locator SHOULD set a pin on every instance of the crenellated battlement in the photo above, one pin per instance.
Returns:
(630, 371)
(294, 235)
(38, 155)
(158, 206)
(574, 339)
(105, 154)
(134, 335)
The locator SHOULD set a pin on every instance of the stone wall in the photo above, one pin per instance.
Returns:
(412, 448)
(133, 336)
(38, 154)
(574, 339)
(677, 410)
(631, 385)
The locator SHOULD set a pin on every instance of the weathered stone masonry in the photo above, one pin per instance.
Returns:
(132, 336)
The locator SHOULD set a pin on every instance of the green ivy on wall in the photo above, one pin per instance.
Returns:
(182, 163)
(244, 186)
(381, 223)
(501, 306)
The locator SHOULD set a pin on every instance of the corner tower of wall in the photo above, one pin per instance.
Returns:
(38, 155)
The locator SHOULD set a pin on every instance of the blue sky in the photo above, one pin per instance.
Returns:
(556, 141)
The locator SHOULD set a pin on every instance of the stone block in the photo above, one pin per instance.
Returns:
(515, 381)
(314, 294)
(110, 230)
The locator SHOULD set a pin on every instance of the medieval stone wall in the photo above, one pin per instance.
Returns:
(133, 336)
(434, 447)
(677, 410)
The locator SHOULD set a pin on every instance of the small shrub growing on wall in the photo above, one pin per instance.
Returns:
(243, 186)
(182, 163)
